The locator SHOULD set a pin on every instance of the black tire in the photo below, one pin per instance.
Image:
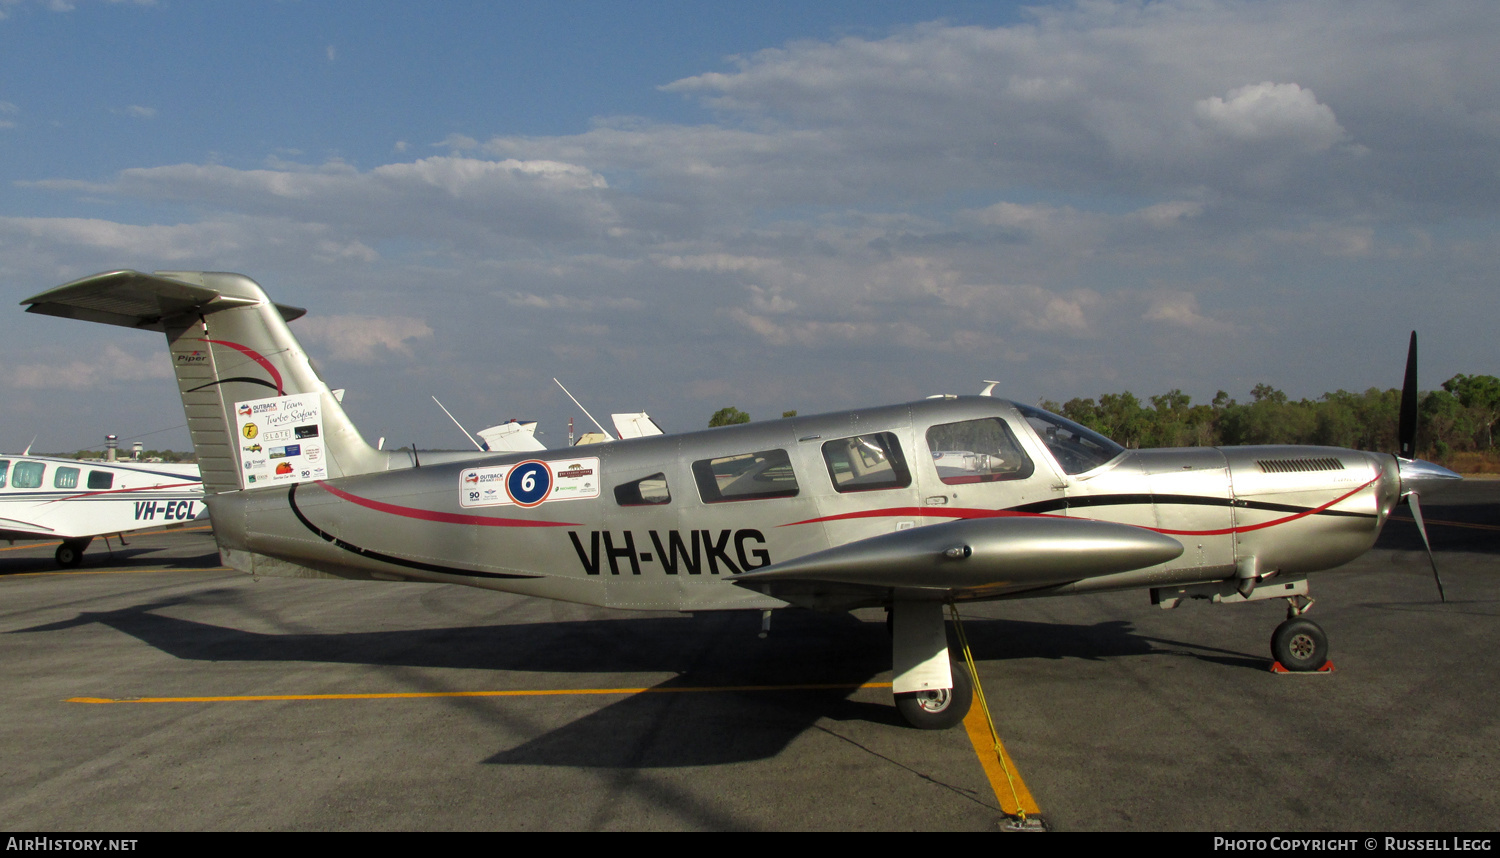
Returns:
(1300, 645)
(69, 555)
(939, 710)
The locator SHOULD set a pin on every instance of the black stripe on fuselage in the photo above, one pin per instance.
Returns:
(1083, 501)
(291, 499)
(260, 381)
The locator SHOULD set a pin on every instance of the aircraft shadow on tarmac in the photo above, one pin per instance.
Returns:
(122, 557)
(694, 718)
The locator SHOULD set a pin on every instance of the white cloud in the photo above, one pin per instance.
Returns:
(361, 339)
(111, 366)
(1272, 112)
(1180, 309)
(171, 242)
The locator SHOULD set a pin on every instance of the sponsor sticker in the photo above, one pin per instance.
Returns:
(530, 483)
(270, 424)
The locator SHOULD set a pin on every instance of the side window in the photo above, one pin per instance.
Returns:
(27, 475)
(977, 451)
(866, 462)
(65, 478)
(4, 471)
(646, 491)
(747, 476)
(101, 479)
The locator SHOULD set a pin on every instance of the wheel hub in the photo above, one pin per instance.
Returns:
(1302, 646)
(935, 701)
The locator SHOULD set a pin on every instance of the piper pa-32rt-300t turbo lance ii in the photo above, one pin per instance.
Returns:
(912, 507)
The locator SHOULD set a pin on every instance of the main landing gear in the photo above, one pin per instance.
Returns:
(932, 692)
(941, 708)
(70, 554)
(1299, 644)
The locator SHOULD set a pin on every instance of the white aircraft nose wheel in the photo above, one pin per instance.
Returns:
(941, 708)
(1300, 644)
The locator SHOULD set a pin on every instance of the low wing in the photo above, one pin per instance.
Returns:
(14, 528)
(973, 556)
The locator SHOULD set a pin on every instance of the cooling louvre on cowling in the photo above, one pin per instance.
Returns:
(1289, 466)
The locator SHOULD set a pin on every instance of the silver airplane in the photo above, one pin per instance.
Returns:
(912, 507)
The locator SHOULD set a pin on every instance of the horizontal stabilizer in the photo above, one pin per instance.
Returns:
(134, 299)
(1009, 552)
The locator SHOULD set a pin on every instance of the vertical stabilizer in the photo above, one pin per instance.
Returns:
(229, 345)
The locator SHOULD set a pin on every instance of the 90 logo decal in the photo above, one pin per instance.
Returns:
(529, 483)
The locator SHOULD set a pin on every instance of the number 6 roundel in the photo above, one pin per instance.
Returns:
(529, 483)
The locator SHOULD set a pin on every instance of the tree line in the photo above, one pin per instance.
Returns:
(1457, 419)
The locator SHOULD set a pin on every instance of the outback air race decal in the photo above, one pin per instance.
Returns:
(280, 440)
(530, 483)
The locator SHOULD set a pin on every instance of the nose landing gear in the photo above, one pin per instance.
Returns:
(1299, 645)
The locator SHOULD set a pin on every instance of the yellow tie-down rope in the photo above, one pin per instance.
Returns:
(1023, 820)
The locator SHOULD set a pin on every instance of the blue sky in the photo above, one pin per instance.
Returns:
(678, 206)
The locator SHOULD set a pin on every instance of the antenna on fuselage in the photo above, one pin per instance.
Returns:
(585, 411)
(458, 424)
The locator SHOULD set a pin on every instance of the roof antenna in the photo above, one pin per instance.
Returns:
(585, 411)
(458, 424)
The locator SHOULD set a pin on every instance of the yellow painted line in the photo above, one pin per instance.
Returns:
(1015, 799)
(418, 695)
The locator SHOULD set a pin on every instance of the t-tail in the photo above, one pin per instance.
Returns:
(230, 346)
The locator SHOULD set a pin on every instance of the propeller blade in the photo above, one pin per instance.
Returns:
(1406, 429)
(1416, 514)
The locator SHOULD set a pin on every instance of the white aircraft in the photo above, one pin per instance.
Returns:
(75, 501)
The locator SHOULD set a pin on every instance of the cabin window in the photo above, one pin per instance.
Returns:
(977, 451)
(4, 471)
(101, 479)
(866, 463)
(646, 491)
(65, 478)
(1076, 448)
(27, 475)
(747, 476)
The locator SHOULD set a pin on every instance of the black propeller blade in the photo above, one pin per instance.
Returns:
(1406, 440)
(1406, 429)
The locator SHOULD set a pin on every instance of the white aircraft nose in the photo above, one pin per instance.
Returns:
(1422, 476)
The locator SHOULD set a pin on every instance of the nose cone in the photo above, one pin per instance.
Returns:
(1422, 477)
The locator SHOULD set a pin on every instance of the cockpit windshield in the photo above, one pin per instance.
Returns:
(1076, 449)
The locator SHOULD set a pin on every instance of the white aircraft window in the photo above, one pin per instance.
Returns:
(101, 479)
(4, 471)
(1077, 449)
(977, 451)
(747, 476)
(65, 478)
(646, 491)
(27, 475)
(866, 462)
